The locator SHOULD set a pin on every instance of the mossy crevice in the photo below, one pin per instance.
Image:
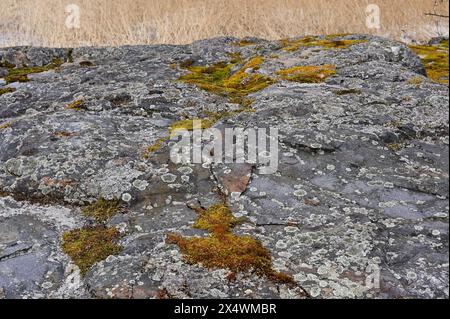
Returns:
(101, 210)
(7, 90)
(21, 74)
(7, 65)
(5, 125)
(89, 245)
(155, 146)
(308, 73)
(223, 249)
(347, 92)
(435, 60)
(329, 42)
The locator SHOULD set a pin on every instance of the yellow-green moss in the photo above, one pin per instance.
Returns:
(5, 125)
(225, 250)
(76, 105)
(89, 245)
(7, 90)
(417, 80)
(245, 42)
(435, 60)
(347, 91)
(6, 64)
(21, 74)
(188, 125)
(101, 210)
(308, 74)
(327, 43)
(219, 78)
(155, 147)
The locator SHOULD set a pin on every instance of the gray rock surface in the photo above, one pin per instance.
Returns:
(345, 210)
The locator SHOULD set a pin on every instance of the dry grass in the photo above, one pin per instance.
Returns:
(118, 22)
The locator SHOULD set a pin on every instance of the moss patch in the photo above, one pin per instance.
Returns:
(308, 74)
(76, 105)
(417, 80)
(188, 125)
(155, 147)
(328, 43)
(7, 90)
(6, 64)
(394, 147)
(245, 42)
(223, 249)
(435, 60)
(21, 74)
(347, 91)
(6, 125)
(89, 245)
(101, 210)
(220, 78)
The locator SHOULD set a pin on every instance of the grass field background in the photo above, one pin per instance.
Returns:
(119, 22)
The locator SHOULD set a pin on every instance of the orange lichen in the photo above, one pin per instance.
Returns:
(224, 249)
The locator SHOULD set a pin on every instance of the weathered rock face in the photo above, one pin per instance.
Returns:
(360, 196)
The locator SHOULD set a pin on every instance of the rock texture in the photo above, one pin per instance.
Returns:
(360, 196)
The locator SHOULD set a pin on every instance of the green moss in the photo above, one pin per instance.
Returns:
(101, 210)
(21, 74)
(5, 125)
(219, 78)
(225, 250)
(89, 245)
(347, 91)
(76, 105)
(329, 42)
(6, 64)
(7, 90)
(435, 59)
(155, 147)
(188, 125)
(308, 74)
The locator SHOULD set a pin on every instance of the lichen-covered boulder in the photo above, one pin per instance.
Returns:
(91, 204)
